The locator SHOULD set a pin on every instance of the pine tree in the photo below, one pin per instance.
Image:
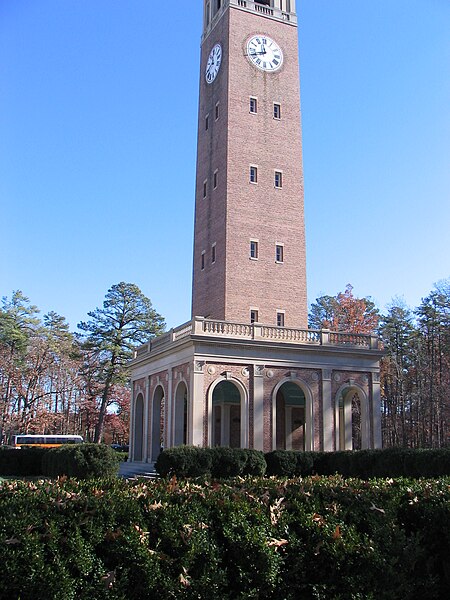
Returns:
(126, 321)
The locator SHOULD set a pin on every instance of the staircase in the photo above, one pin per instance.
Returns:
(134, 470)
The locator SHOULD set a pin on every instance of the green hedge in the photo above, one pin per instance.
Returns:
(310, 538)
(93, 460)
(74, 460)
(391, 462)
(82, 461)
(191, 461)
(24, 462)
(188, 461)
(289, 463)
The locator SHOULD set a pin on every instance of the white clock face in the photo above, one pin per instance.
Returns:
(213, 64)
(264, 53)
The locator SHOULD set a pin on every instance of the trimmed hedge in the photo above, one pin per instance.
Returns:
(310, 538)
(391, 462)
(93, 460)
(24, 462)
(74, 460)
(191, 461)
(82, 461)
(289, 463)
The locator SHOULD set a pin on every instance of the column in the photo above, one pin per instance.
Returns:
(197, 406)
(132, 411)
(145, 456)
(376, 411)
(258, 409)
(327, 407)
(168, 438)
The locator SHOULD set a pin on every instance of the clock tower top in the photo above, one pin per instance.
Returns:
(279, 10)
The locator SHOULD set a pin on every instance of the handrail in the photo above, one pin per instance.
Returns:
(202, 327)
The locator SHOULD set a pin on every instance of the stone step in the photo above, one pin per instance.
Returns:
(132, 470)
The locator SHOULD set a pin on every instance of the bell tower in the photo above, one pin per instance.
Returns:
(246, 371)
(249, 240)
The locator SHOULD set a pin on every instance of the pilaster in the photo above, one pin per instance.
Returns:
(146, 456)
(258, 409)
(170, 407)
(328, 412)
(197, 404)
(376, 411)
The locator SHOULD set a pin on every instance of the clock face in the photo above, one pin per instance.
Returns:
(264, 53)
(213, 64)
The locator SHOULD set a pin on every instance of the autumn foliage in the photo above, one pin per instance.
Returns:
(55, 381)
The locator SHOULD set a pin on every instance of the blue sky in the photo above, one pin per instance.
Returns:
(98, 113)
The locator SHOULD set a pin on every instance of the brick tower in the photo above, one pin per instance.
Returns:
(245, 371)
(249, 243)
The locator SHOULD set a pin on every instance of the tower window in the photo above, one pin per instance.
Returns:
(277, 111)
(205, 188)
(254, 249)
(278, 179)
(253, 174)
(217, 111)
(213, 253)
(253, 105)
(279, 253)
(280, 319)
(254, 316)
(207, 122)
(215, 178)
(203, 260)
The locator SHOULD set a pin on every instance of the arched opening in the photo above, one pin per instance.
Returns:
(226, 415)
(138, 428)
(157, 437)
(352, 419)
(290, 417)
(181, 414)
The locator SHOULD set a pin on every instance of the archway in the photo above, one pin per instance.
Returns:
(138, 428)
(290, 417)
(181, 415)
(226, 415)
(352, 419)
(157, 436)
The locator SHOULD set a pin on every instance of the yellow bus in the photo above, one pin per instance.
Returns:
(45, 441)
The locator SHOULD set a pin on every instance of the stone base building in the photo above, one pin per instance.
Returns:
(213, 383)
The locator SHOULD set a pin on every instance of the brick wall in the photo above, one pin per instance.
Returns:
(238, 211)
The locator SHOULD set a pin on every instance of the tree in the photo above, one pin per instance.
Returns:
(18, 325)
(126, 321)
(415, 372)
(433, 316)
(344, 312)
(398, 334)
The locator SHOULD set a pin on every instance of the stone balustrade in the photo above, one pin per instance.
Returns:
(275, 12)
(201, 327)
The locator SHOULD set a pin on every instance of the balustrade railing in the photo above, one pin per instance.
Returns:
(287, 334)
(248, 5)
(227, 328)
(266, 333)
(349, 339)
(182, 331)
(265, 10)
